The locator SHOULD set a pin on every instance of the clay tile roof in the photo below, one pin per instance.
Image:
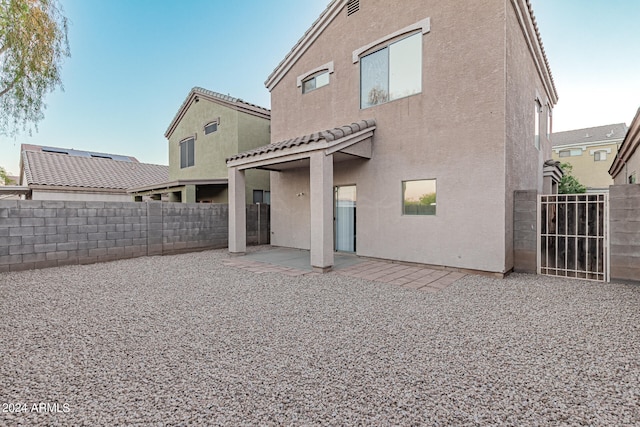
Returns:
(605, 133)
(54, 169)
(326, 135)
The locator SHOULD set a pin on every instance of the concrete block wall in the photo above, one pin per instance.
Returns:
(624, 229)
(524, 231)
(192, 226)
(40, 234)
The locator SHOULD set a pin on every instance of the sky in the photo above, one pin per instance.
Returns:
(133, 62)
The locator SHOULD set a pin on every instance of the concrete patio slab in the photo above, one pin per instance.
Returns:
(296, 262)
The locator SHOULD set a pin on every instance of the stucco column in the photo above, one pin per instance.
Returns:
(237, 212)
(321, 177)
(189, 194)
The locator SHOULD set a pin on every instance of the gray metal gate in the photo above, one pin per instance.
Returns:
(573, 236)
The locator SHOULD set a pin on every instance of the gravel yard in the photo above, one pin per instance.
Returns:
(182, 340)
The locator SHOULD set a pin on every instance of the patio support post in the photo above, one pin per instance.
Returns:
(321, 189)
(237, 212)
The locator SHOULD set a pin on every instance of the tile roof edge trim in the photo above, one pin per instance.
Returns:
(611, 141)
(628, 147)
(75, 188)
(531, 33)
(304, 150)
(224, 100)
(301, 46)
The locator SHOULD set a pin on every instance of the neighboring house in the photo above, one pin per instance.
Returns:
(208, 128)
(12, 191)
(435, 116)
(53, 173)
(590, 152)
(625, 168)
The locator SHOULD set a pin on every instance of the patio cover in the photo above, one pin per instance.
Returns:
(317, 151)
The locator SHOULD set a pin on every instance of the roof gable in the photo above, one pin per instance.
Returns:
(320, 24)
(198, 93)
(523, 9)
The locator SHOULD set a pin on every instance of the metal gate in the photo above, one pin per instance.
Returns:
(573, 236)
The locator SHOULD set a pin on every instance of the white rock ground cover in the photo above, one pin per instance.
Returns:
(182, 340)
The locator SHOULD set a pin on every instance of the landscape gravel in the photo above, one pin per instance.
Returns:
(185, 340)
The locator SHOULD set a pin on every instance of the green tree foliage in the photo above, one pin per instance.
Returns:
(33, 45)
(4, 178)
(569, 184)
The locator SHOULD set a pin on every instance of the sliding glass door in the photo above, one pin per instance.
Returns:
(345, 218)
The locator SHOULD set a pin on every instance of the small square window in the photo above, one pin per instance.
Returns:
(599, 156)
(419, 197)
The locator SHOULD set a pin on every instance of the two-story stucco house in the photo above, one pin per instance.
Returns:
(590, 152)
(208, 128)
(401, 131)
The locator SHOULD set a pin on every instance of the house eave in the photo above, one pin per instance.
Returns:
(172, 185)
(323, 21)
(529, 27)
(627, 148)
(232, 103)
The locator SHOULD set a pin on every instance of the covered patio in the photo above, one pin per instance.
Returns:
(318, 152)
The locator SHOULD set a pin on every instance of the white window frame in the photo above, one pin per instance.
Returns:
(185, 164)
(404, 199)
(538, 112)
(328, 67)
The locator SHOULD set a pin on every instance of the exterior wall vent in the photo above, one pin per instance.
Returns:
(353, 6)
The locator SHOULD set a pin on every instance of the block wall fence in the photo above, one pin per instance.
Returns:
(41, 234)
(624, 231)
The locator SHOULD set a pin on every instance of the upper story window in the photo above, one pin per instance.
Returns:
(315, 82)
(538, 110)
(549, 121)
(570, 152)
(316, 78)
(600, 156)
(393, 72)
(211, 127)
(187, 152)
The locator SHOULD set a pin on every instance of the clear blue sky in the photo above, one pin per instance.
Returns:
(134, 61)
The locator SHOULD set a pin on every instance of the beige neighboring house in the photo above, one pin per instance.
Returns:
(413, 134)
(625, 168)
(590, 152)
(52, 173)
(208, 128)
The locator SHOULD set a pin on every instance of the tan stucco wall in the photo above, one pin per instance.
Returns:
(80, 196)
(254, 132)
(237, 132)
(210, 150)
(588, 172)
(632, 166)
(456, 131)
(524, 163)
